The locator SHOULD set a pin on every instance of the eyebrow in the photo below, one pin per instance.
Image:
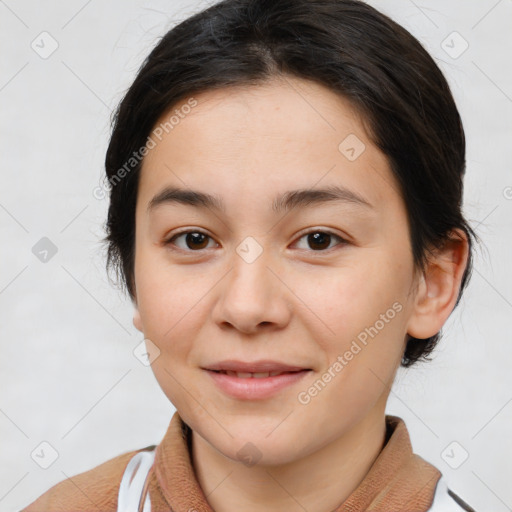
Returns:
(284, 202)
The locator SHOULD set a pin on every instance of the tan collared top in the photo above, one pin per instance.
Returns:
(398, 480)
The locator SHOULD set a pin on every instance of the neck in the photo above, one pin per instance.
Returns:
(319, 482)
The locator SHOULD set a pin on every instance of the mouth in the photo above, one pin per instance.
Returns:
(254, 367)
(255, 375)
(254, 381)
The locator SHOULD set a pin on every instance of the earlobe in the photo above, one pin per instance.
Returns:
(137, 321)
(439, 287)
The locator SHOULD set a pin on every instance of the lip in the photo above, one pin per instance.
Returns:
(254, 388)
(263, 365)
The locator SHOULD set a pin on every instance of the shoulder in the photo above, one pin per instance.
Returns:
(96, 489)
(445, 500)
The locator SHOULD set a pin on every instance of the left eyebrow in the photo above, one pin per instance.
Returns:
(189, 197)
(305, 197)
(286, 201)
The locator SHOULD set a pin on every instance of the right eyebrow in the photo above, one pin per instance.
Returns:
(286, 201)
(186, 196)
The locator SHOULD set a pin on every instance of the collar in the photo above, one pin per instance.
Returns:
(398, 480)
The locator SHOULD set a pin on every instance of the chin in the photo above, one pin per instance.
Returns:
(253, 446)
(259, 454)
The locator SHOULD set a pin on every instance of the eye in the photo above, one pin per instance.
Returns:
(193, 240)
(321, 240)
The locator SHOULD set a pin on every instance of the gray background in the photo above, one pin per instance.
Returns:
(68, 374)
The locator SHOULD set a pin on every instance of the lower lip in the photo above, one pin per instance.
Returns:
(255, 389)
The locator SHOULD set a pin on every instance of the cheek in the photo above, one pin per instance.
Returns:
(170, 309)
(364, 310)
(169, 303)
(344, 301)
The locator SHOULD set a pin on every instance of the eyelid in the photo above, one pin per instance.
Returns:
(168, 239)
(320, 229)
(343, 240)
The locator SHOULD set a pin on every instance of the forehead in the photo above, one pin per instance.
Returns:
(258, 140)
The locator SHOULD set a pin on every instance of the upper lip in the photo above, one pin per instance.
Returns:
(253, 367)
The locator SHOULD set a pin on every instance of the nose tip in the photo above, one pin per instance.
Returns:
(251, 298)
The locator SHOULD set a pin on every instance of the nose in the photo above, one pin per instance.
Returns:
(252, 298)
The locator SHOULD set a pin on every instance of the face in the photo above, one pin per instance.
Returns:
(317, 281)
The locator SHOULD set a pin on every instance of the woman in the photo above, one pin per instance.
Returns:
(285, 213)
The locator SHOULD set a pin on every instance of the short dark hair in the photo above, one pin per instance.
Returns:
(345, 45)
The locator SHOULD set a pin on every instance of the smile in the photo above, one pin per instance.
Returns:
(254, 386)
(248, 375)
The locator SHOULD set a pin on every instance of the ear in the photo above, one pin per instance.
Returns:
(137, 321)
(439, 286)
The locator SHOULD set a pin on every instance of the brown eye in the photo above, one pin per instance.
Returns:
(193, 240)
(321, 240)
(196, 240)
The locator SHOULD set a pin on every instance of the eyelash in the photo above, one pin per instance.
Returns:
(169, 241)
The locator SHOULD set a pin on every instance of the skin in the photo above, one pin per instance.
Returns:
(203, 303)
